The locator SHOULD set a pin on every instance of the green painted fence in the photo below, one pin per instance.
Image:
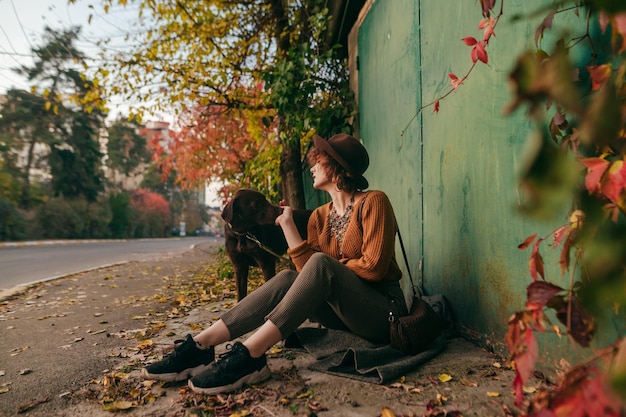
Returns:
(452, 175)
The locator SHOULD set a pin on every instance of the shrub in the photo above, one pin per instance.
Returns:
(12, 225)
(97, 217)
(58, 219)
(154, 218)
(123, 216)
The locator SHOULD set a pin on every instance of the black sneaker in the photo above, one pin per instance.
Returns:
(186, 361)
(234, 369)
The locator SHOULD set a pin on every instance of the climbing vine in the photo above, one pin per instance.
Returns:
(578, 107)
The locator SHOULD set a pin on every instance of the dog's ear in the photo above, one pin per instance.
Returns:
(227, 213)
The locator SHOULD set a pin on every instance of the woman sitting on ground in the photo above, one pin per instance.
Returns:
(347, 278)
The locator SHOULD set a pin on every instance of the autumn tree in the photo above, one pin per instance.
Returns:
(222, 147)
(154, 217)
(212, 53)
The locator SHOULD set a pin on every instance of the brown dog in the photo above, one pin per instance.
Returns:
(249, 216)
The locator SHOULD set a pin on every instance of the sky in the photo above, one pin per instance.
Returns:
(22, 24)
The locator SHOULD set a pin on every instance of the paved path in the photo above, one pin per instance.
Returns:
(63, 338)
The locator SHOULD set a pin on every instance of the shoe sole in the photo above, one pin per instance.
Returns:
(173, 377)
(253, 378)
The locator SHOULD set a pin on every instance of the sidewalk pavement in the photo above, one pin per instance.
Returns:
(74, 347)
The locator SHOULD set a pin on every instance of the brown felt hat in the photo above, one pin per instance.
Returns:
(349, 153)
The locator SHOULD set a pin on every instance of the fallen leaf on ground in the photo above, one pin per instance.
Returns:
(386, 412)
(493, 394)
(468, 383)
(118, 406)
(145, 344)
(27, 407)
(17, 351)
(274, 350)
(445, 377)
(305, 394)
(433, 380)
(242, 413)
(405, 387)
(315, 406)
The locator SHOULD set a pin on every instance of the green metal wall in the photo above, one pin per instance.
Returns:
(452, 176)
(388, 83)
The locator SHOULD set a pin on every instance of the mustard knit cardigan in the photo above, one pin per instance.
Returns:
(368, 248)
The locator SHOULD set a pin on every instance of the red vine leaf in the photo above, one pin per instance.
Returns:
(595, 170)
(581, 324)
(535, 263)
(615, 181)
(599, 74)
(542, 292)
(487, 6)
(526, 243)
(524, 350)
(479, 53)
(612, 211)
(564, 259)
(470, 41)
(545, 24)
(455, 82)
(585, 391)
(488, 24)
(560, 234)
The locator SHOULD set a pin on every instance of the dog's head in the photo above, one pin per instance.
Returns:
(249, 208)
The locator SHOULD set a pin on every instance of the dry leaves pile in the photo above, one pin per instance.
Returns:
(122, 390)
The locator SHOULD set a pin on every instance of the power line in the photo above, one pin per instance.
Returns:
(8, 38)
(20, 23)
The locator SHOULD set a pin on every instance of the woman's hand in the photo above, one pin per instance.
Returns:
(286, 222)
(286, 217)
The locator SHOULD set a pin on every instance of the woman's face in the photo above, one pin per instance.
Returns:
(320, 180)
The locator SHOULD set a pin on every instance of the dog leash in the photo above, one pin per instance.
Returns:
(254, 239)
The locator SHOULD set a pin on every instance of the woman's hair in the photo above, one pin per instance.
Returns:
(333, 170)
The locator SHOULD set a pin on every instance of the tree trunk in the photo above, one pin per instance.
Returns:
(291, 175)
(25, 198)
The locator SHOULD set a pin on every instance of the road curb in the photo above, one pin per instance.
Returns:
(54, 242)
(20, 289)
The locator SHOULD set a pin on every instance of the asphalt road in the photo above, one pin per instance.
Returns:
(23, 265)
(56, 337)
